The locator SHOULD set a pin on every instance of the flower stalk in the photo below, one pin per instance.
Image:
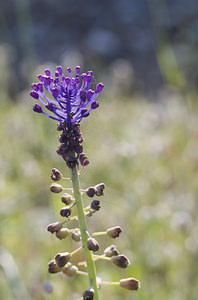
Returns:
(71, 100)
(83, 229)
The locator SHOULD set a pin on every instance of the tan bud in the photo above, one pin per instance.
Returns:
(62, 233)
(111, 251)
(53, 267)
(62, 258)
(56, 188)
(53, 227)
(76, 236)
(130, 284)
(66, 198)
(114, 231)
(70, 271)
(120, 261)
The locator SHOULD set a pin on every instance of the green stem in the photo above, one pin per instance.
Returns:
(83, 229)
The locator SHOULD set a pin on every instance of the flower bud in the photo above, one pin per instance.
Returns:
(56, 175)
(76, 236)
(54, 227)
(56, 188)
(120, 261)
(62, 233)
(92, 244)
(66, 198)
(72, 162)
(53, 267)
(62, 258)
(91, 191)
(111, 251)
(65, 212)
(114, 232)
(130, 284)
(88, 294)
(83, 159)
(99, 189)
(95, 205)
(70, 271)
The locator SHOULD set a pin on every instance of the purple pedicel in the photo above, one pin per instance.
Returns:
(67, 98)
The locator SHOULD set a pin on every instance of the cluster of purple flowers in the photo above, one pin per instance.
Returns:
(72, 97)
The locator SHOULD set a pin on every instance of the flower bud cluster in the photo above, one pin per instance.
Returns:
(71, 144)
(61, 261)
(97, 190)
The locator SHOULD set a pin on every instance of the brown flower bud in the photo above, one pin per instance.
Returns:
(88, 294)
(120, 261)
(65, 212)
(66, 198)
(71, 162)
(114, 232)
(53, 227)
(56, 188)
(53, 267)
(99, 189)
(76, 236)
(56, 175)
(91, 191)
(62, 233)
(83, 159)
(111, 251)
(62, 258)
(92, 244)
(95, 205)
(70, 271)
(130, 284)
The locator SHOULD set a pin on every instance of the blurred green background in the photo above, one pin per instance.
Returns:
(142, 143)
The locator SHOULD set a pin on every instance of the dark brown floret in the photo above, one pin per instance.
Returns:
(120, 261)
(130, 284)
(65, 212)
(92, 244)
(95, 205)
(88, 294)
(56, 175)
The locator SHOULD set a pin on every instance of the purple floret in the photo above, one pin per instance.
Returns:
(71, 97)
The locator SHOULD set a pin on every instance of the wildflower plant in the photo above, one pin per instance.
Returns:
(69, 100)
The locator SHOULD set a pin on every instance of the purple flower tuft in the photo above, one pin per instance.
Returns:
(71, 97)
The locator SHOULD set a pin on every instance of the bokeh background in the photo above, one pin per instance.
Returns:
(142, 142)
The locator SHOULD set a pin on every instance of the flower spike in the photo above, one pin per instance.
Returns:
(69, 100)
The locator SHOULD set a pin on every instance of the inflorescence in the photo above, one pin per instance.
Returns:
(71, 100)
